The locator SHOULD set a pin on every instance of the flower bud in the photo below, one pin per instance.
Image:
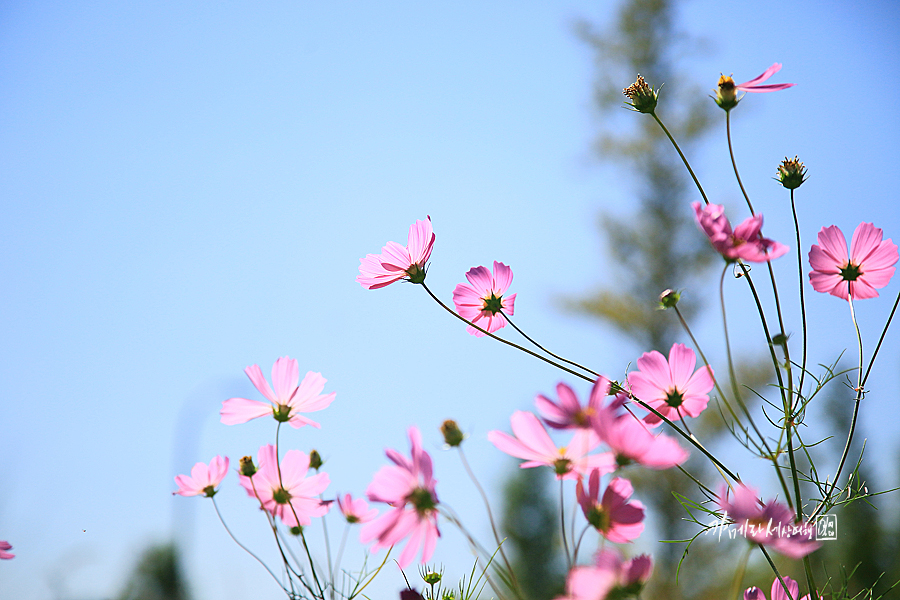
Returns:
(643, 98)
(726, 94)
(791, 173)
(452, 435)
(247, 468)
(296, 530)
(431, 577)
(668, 299)
(315, 460)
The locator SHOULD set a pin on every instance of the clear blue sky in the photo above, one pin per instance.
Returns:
(187, 189)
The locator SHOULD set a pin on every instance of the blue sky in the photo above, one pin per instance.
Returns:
(187, 190)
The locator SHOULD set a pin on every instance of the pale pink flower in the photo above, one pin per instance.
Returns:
(609, 576)
(482, 300)
(632, 442)
(769, 524)
(869, 266)
(4, 546)
(356, 511)
(284, 490)
(671, 386)
(744, 243)
(409, 487)
(614, 517)
(568, 413)
(396, 262)
(204, 479)
(754, 84)
(288, 399)
(532, 443)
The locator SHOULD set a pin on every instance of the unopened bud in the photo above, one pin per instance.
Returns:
(315, 460)
(452, 435)
(248, 469)
(669, 299)
(431, 577)
(791, 173)
(296, 530)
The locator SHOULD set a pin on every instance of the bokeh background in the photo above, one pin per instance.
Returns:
(187, 188)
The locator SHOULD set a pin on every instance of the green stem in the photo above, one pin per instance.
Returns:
(487, 505)
(733, 163)
(737, 393)
(681, 154)
(500, 339)
(858, 399)
(556, 356)
(244, 548)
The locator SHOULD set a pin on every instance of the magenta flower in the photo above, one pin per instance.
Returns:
(409, 487)
(588, 583)
(356, 511)
(396, 262)
(778, 593)
(769, 524)
(4, 546)
(204, 479)
(672, 388)
(631, 575)
(632, 442)
(286, 492)
(754, 84)
(481, 301)
(869, 266)
(568, 413)
(532, 443)
(614, 517)
(744, 243)
(287, 401)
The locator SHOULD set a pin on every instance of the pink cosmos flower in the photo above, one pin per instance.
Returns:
(568, 413)
(778, 593)
(614, 517)
(632, 442)
(869, 266)
(287, 401)
(481, 301)
(769, 524)
(754, 84)
(744, 243)
(532, 443)
(286, 492)
(396, 262)
(671, 387)
(609, 576)
(4, 546)
(204, 479)
(409, 487)
(356, 511)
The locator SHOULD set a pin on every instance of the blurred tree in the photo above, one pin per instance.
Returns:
(158, 575)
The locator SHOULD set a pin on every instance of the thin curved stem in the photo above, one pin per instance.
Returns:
(737, 393)
(500, 339)
(562, 529)
(858, 399)
(881, 339)
(244, 548)
(487, 505)
(733, 163)
(556, 356)
(683, 158)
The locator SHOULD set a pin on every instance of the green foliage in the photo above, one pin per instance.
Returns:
(158, 575)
